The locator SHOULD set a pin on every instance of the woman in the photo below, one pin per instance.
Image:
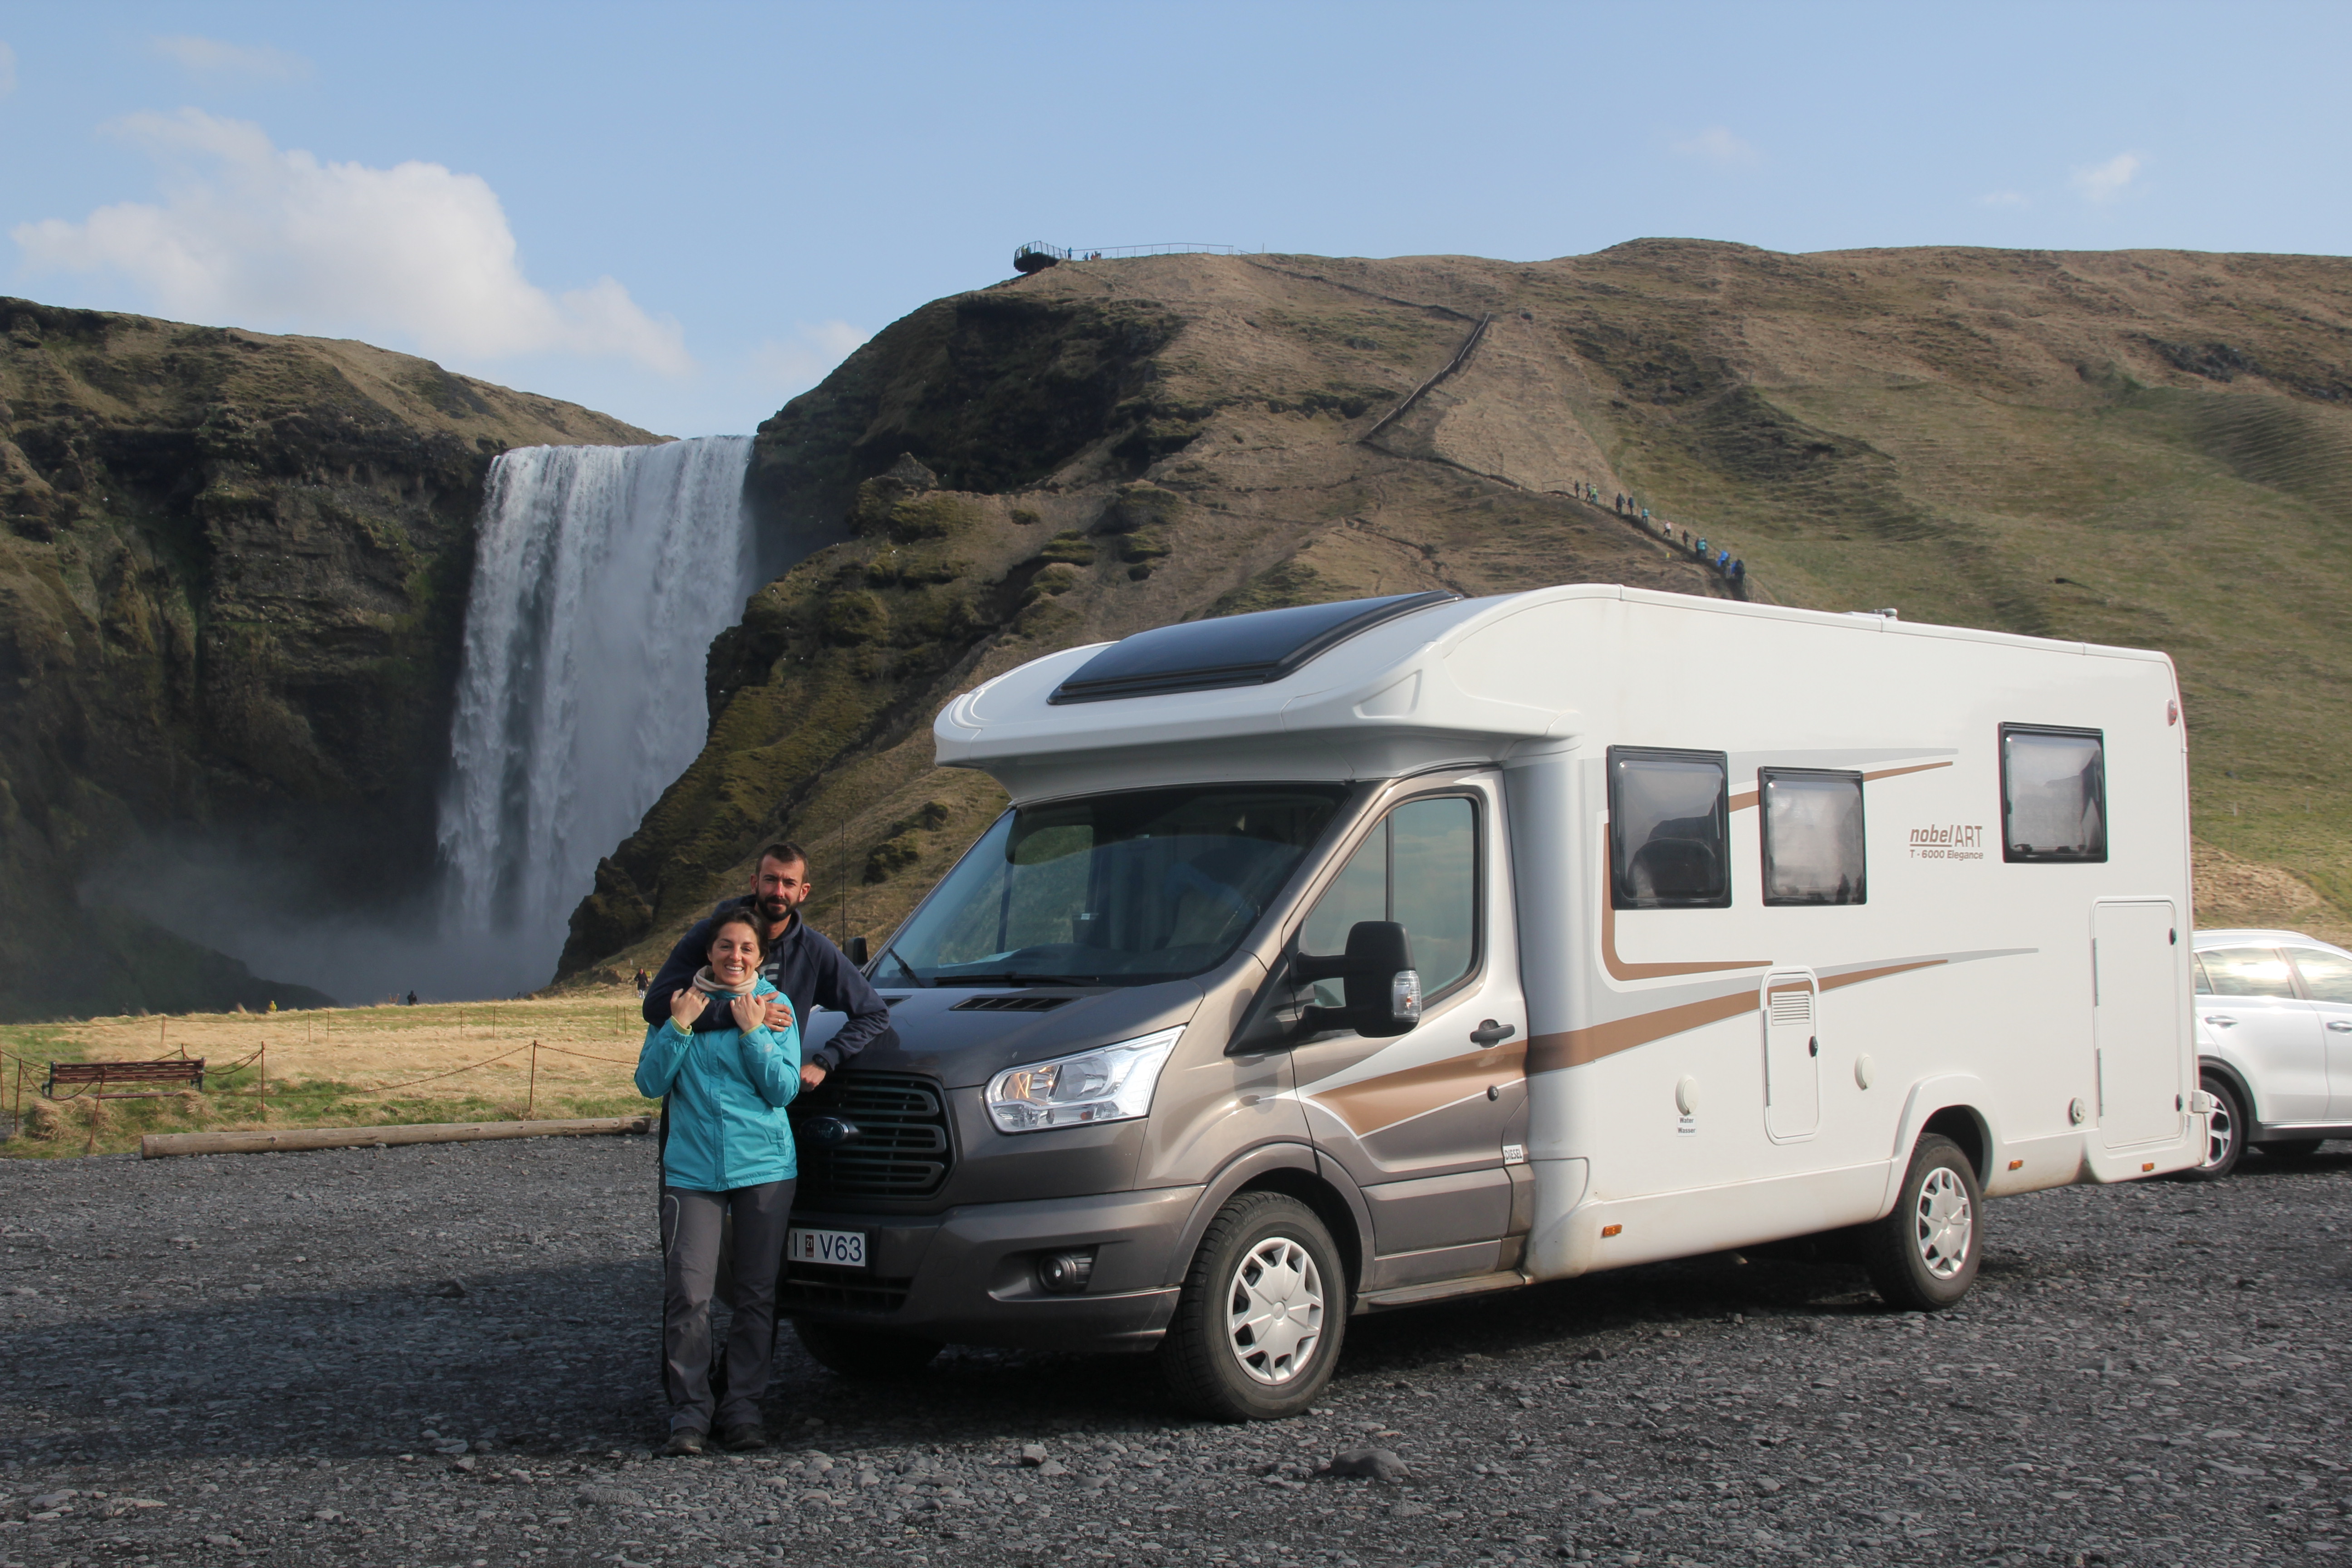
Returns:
(729, 1149)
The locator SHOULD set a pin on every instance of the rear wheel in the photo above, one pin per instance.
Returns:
(1258, 1325)
(864, 1355)
(1923, 1256)
(2225, 1133)
(2291, 1148)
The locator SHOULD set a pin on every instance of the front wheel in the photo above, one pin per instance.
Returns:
(1923, 1256)
(1258, 1324)
(2225, 1133)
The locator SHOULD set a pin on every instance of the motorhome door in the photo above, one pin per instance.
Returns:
(1428, 1123)
(2136, 1028)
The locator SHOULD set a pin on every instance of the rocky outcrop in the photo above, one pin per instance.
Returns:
(2149, 448)
(233, 572)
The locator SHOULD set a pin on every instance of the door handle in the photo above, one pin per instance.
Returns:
(1490, 1033)
(2341, 1026)
(2222, 1020)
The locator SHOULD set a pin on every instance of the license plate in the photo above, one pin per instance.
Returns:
(830, 1249)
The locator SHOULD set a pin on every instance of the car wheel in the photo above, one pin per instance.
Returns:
(2225, 1133)
(864, 1355)
(1923, 1256)
(2291, 1148)
(1258, 1324)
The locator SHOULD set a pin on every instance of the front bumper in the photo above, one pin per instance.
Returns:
(969, 1276)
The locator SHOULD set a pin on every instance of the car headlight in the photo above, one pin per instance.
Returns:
(1109, 1083)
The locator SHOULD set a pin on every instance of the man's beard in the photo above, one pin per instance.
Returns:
(777, 909)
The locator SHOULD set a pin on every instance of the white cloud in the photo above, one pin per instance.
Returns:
(2105, 181)
(8, 70)
(253, 236)
(211, 57)
(805, 360)
(2004, 199)
(1719, 147)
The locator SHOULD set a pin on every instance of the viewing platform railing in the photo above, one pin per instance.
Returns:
(1037, 255)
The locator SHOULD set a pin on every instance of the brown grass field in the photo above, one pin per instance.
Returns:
(343, 1067)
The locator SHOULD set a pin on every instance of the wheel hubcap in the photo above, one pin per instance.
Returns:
(1945, 1224)
(2221, 1133)
(1274, 1311)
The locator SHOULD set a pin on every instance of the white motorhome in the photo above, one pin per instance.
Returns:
(1366, 954)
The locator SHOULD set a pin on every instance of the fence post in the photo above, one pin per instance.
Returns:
(530, 1099)
(265, 1080)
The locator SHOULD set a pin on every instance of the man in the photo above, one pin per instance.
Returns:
(809, 971)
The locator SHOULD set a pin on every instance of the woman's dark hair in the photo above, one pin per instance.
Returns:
(749, 921)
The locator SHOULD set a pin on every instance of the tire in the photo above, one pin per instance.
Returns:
(864, 1355)
(2291, 1148)
(1923, 1256)
(2225, 1142)
(1262, 1251)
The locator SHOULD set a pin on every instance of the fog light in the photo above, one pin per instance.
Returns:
(1066, 1273)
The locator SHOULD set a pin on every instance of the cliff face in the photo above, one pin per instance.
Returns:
(2146, 449)
(233, 572)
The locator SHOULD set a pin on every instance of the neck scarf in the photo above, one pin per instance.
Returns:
(709, 985)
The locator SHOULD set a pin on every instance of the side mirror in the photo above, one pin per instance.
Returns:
(1382, 988)
(854, 948)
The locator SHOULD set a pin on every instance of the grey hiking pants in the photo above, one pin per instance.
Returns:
(691, 1224)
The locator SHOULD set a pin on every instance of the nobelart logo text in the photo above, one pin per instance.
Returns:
(1951, 841)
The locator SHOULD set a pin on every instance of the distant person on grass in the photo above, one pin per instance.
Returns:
(808, 971)
(730, 1148)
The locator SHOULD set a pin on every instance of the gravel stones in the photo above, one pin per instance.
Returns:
(1374, 1464)
(2108, 1393)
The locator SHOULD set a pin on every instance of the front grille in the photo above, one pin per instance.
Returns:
(1016, 1004)
(901, 1149)
(806, 1287)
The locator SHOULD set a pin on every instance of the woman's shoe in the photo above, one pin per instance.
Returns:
(684, 1443)
(744, 1437)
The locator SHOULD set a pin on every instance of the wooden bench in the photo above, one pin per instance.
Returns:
(98, 1079)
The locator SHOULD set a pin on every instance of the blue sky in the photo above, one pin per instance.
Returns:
(684, 214)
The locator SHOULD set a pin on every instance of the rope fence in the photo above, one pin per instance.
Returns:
(258, 1060)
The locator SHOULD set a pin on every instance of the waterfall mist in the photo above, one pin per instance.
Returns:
(602, 574)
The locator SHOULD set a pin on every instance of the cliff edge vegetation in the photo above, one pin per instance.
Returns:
(233, 571)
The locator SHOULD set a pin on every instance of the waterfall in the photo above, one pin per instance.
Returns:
(601, 576)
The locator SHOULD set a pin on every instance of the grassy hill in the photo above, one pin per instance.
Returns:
(2148, 448)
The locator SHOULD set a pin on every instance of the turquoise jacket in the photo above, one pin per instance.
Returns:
(727, 1090)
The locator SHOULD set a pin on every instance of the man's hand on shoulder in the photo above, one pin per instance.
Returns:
(811, 1075)
(780, 1012)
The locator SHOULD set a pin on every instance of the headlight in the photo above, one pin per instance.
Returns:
(1109, 1083)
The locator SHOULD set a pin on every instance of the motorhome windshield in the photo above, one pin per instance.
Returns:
(1119, 890)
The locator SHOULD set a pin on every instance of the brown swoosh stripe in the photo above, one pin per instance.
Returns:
(1376, 1103)
(1747, 797)
(1831, 981)
(1620, 970)
(1575, 1048)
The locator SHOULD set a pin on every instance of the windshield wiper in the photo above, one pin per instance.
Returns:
(905, 968)
(1012, 979)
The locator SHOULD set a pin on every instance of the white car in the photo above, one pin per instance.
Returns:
(2273, 1043)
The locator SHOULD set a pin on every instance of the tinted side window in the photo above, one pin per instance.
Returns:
(2053, 794)
(1812, 837)
(2247, 972)
(1669, 818)
(1418, 867)
(2204, 985)
(2327, 976)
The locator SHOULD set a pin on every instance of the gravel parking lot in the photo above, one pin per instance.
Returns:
(445, 1357)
